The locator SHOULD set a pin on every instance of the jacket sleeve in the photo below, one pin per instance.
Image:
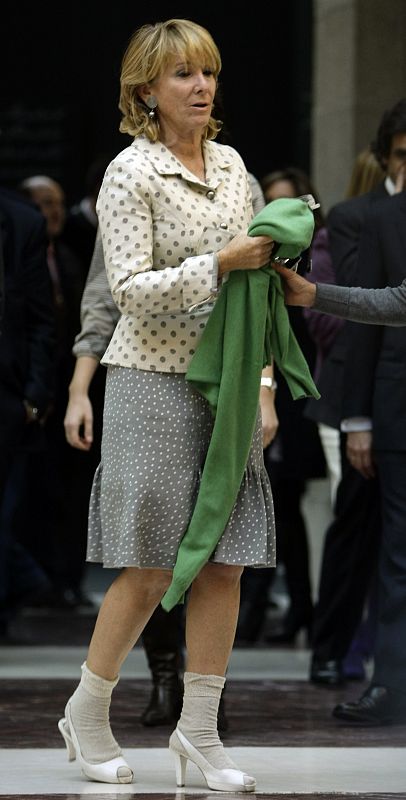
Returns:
(344, 228)
(374, 306)
(364, 341)
(98, 312)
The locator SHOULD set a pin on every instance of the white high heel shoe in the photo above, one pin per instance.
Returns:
(222, 780)
(114, 771)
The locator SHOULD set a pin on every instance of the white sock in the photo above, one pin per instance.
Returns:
(89, 707)
(198, 720)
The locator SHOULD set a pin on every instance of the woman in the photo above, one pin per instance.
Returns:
(173, 211)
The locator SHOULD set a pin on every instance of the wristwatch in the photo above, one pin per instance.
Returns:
(270, 384)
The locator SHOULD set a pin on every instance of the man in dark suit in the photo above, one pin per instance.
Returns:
(57, 535)
(375, 391)
(352, 540)
(27, 344)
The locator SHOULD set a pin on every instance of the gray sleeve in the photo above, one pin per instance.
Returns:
(258, 200)
(373, 306)
(98, 312)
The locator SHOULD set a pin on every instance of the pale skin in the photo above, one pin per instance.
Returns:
(185, 94)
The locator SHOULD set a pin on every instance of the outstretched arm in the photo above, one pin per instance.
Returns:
(374, 306)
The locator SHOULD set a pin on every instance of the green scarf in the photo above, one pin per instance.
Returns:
(248, 325)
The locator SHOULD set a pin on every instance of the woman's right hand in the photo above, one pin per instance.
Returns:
(79, 413)
(245, 252)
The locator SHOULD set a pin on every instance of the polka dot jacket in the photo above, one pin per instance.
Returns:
(161, 227)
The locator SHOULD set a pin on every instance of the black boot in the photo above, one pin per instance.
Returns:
(163, 643)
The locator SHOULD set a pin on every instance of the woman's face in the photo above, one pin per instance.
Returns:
(282, 188)
(185, 94)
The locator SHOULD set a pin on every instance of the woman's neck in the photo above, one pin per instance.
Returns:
(189, 151)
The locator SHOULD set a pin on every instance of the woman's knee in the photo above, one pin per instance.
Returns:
(224, 575)
(150, 583)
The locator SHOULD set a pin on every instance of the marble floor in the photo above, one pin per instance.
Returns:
(280, 726)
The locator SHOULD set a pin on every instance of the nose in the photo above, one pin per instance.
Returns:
(202, 80)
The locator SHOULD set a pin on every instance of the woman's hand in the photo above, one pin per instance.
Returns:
(270, 421)
(245, 252)
(79, 413)
(297, 290)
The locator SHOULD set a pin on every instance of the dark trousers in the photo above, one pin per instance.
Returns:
(348, 563)
(292, 550)
(390, 652)
(19, 572)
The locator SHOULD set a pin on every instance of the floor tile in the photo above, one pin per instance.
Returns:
(278, 770)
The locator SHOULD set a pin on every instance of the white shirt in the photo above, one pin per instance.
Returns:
(160, 226)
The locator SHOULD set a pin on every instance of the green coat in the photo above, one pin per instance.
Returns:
(248, 325)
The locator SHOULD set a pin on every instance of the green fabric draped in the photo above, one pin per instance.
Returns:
(248, 325)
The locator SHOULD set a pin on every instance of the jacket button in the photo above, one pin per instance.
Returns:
(210, 194)
(224, 225)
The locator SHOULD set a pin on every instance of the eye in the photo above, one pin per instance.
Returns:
(208, 71)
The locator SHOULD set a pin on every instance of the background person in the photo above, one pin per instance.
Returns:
(56, 532)
(27, 364)
(352, 540)
(375, 385)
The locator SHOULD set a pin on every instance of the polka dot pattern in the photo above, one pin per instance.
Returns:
(156, 433)
(160, 226)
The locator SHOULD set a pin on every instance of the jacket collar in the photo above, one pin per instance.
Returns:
(164, 162)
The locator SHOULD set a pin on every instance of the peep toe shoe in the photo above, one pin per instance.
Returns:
(114, 771)
(221, 780)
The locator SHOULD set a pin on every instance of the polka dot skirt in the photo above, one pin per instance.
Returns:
(156, 433)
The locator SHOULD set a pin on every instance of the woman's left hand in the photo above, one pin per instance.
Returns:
(270, 421)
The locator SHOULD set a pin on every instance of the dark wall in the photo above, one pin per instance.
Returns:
(59, 99)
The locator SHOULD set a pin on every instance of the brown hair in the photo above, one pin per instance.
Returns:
(147, 55)
(366, 174)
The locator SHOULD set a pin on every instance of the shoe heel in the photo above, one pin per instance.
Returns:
(180, 768)
(64, 730)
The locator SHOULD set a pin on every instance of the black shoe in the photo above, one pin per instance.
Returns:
(377, 706)
(328, 673)
(165, 703)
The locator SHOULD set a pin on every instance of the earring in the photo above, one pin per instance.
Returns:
(152, 103)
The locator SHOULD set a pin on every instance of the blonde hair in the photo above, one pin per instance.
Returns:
(366, 174)
(146, 57)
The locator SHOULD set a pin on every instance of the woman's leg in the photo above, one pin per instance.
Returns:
(211, 618)
(129, 603)
(127, 606)
(211, 621)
